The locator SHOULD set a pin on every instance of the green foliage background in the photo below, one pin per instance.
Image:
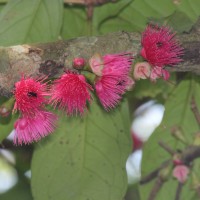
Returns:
(85, 158)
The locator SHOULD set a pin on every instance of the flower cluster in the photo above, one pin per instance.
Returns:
(159, 49)
(34, 122)
(111, 78)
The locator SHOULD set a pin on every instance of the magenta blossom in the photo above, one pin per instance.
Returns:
(71, 93)
(114, 81)
(159, 47)
(32, 128)
(29, 94)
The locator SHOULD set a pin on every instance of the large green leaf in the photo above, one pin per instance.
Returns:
(85, 158)
(26, 21)
(178, 112)
(130, 15)
(74, 22)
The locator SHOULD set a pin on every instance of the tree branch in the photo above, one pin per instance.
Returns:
(178, 191)
(88, 2)
(52, 58)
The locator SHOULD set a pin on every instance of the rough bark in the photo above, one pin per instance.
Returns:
(53, 58)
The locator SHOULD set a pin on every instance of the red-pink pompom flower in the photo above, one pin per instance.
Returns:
(29, 94)
(71, 93)
(114, 80)
(32, 128)
(159, 46)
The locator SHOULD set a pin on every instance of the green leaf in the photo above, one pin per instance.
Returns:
(180, 21)
(85, 158)
(6, 128)
(130, 15)
(74, 22)
(26, 21)
(178, 112)
(21, 191)
(186, 14)
(146, 88)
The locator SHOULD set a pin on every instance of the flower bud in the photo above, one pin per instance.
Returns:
(6, 108)
(196, 141)
(96, 64)
(78, 63)
(142, 70)
(178, 134)
(177, 159)
(164, 173)
(4, 111)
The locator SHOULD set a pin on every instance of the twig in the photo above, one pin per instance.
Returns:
(154, 173)
(178, 191)
(195, 110)
(190, 154)
(88, 2)
(178, 133)
(150, 176)
(198, 191)
(167, 148)
(157, 186)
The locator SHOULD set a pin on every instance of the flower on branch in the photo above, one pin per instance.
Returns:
(180, 172)
(78, 63)
(32, 128)
(115, 80)
(71, 93)
(29, 94)
(159, 72)
(30, 98)
(159, 46)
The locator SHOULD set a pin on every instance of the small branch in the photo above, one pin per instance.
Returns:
(198, 191)
(150, 176)
(178, 191)
(88, 2)
(190, 154)
(195, 110)
(167, 148)
(154, 173)
(177, 132)
(156, 188)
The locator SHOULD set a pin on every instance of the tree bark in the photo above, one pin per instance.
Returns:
(51, 59)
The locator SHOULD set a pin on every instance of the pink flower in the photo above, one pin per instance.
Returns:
(159, 47)
(71, 92)
(180, 172)
(96, 64)
(29, 94)
(32, 128)
(142, 70)
(114, 80)
(159, 72)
